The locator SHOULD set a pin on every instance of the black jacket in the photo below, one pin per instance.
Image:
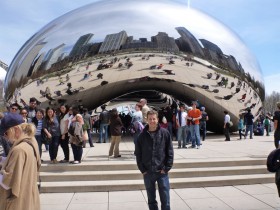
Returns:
(153, 155)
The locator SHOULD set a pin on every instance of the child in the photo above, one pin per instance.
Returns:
(240, 127)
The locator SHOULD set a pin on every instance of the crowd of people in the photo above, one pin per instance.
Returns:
(25, 129)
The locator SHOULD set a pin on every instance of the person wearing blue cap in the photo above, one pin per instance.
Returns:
(19, 170)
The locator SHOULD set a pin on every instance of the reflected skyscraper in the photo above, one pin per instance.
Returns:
(188, 42)
(82, 41)
(171, 50)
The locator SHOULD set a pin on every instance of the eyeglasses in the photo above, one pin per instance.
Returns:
(13, 108)
(24, 113)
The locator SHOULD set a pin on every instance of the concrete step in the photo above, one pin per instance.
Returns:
(124, 185)
(135, 174)
(131, 165)
(124, 175)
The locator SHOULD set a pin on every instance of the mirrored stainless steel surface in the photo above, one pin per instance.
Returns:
(111, 48)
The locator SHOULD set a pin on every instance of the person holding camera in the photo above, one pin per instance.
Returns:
(194, 115)
(77, 137)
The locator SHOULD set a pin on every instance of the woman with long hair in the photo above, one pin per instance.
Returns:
(64, 138)
(24, 113)
(19, 173)
(77, 137)
(52, 130)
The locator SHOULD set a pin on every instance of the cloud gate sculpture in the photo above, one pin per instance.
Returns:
(107, 49)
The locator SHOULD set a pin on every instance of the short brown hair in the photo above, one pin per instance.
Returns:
(152, 112)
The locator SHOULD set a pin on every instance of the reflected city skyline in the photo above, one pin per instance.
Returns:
(129, 46)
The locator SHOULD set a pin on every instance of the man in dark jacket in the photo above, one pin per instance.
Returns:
(154, 155)
(249, 122)
(104, 124)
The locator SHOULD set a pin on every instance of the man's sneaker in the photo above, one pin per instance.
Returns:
(197, 147)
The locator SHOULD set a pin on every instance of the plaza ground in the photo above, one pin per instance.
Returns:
(257, 196)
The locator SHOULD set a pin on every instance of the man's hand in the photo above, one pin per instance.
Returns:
(162, 171)
(144, 173)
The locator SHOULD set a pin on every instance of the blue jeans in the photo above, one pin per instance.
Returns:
(249, 128)
(135, 136)
(39, 141)
(189, 135)
(103, 126)
(203, 129)
(150, 180)
(182, 134)
(195, 135)
(89, 138)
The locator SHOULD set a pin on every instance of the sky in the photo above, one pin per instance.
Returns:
(255, 22)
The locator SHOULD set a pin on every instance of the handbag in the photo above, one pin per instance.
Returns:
(45, 139)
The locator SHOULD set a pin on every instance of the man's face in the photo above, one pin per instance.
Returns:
(32, 104)
(14, 109)
(152, 120)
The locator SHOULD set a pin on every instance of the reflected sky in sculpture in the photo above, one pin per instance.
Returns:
(143, 19)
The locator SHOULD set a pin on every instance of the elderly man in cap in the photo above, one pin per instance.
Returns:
(19, 172)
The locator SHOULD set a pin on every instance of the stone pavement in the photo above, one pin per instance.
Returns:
(258, 196)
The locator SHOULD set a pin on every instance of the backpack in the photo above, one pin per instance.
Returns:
(86, 126)
(273, 161)
(135, 127)
(266, 122)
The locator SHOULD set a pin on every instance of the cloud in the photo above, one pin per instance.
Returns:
(2, 73)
